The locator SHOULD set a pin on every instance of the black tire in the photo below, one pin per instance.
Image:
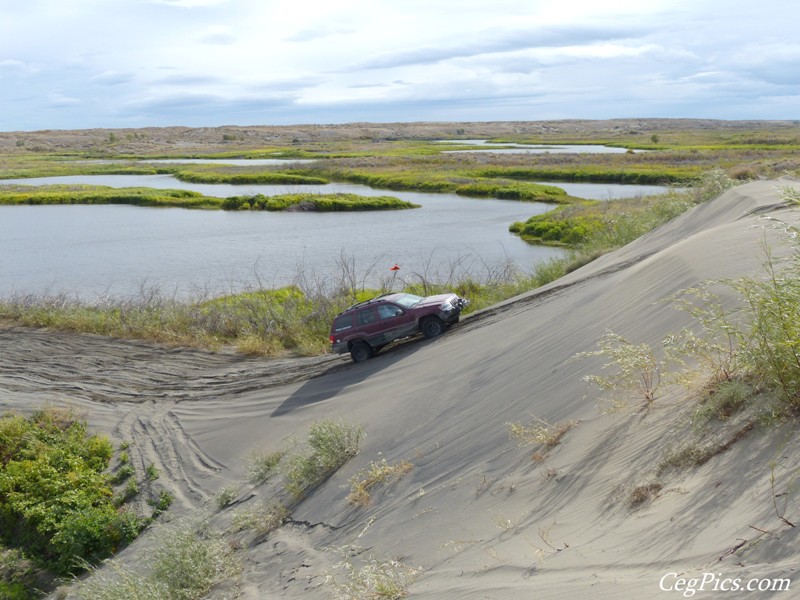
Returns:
(432, 327)
(360, 351)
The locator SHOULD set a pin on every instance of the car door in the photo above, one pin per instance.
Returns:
(396, 322)
(370, 326)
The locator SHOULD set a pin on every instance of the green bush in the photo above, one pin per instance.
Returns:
(55, 497)
(758, 340)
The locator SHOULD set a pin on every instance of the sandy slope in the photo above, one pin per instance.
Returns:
(476, 513)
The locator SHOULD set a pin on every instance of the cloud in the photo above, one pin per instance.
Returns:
(111, 78)
(494, 42)
(196, 109)
(189, 3)
(17, 66)
(319, 32)
(57, 99)
(776, 63)
(250, 61)
(218, 36)
(188, 79)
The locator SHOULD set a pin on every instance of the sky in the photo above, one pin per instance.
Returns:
(71, 64)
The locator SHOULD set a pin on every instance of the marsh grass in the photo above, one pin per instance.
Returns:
(592, 228)
(90, 194)
(267, 321)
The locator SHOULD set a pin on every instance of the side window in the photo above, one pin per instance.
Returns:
(367, 316)
(343, 322)
(387, 311)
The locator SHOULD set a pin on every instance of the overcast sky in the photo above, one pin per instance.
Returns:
(68, 64)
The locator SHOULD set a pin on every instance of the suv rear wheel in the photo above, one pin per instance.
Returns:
(432, 326)
(360, 351)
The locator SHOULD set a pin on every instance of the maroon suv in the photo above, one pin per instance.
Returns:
(366, 327)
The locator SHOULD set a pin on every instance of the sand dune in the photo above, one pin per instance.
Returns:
(480, 516)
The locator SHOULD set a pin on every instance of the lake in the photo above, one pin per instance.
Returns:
(511, 148)
(96, 250)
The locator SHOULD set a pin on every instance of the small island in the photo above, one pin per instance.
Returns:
(298, 202)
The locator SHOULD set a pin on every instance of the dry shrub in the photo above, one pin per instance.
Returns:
(377, 472)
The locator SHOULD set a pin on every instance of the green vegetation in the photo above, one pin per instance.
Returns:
(263, 321)
(636, 370)
(56, 500)
(373, 579)
(261, 466)
(539, 432)
(263, 519)
(87, 194)
(331, 444)
(315, 202)
(758, 341)
(269, 177)
(186, 564)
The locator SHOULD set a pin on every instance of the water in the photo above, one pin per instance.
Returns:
(95, 250)
(511, 148)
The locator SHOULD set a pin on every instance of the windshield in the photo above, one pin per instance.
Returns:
(408, 300)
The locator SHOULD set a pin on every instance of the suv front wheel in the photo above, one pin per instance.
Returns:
(432, 326)
(360, 351)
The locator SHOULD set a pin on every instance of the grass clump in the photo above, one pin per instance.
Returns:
(696, 455)
(722, 400)
(644, 493)
(377, 473)
(225, 496)
(331, 444)
(373, 580)
(185, 565)
(261, 466)
(539, 432)
(262, 519)
(124, 473)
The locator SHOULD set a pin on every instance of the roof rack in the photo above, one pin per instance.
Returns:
(365, 302)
